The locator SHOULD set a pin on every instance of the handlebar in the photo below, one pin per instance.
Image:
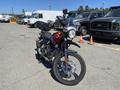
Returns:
(61, 22)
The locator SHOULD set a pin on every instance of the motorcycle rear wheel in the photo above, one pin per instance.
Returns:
(60, 77)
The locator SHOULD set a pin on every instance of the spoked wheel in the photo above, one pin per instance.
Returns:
(70, 73)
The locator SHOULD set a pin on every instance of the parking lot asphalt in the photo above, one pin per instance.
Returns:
(20, 70)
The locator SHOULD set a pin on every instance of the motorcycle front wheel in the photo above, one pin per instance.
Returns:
(70, 73)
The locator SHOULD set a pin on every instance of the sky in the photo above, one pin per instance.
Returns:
(6, 6)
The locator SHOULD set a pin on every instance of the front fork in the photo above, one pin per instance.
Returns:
(66, 57)
(66, 52)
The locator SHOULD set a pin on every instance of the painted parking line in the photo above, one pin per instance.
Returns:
(104, 46)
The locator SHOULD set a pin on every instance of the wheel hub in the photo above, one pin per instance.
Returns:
(67, 69)
(84, 31)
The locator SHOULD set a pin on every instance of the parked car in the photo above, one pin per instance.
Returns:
(107, 27)
(82, 21)
(68, 18)
(20, 19)
(57, 24)
(5, 18)
(68, 21)
(26, 19)
(23, 19)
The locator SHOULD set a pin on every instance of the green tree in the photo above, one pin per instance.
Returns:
(81, 9)
(101, 9)
(96, 9)
(87, 8)
(23, 11)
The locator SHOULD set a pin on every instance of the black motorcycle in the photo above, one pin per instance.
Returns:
(68, 66)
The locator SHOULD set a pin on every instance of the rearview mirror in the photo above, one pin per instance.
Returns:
(65, 11)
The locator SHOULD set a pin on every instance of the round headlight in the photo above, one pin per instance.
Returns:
(116, 26)
(72, 34)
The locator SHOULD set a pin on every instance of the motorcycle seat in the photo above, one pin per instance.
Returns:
(43, 26)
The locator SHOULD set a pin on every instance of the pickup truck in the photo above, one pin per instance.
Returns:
(82, 21)
(107, 27)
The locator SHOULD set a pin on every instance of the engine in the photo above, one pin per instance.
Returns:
(46, 51)
(47, 47)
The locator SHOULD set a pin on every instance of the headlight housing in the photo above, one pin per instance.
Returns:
(72, 34)
(116, 26)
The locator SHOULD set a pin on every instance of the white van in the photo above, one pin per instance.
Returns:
(43, 15)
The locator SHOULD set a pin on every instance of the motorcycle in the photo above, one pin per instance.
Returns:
(68, 67)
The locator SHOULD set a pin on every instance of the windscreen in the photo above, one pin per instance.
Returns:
(113, 13)
(36, 15)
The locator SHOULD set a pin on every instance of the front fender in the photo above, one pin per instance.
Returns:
(73, 43)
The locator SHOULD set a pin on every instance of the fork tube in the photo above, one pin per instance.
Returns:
(66, 52)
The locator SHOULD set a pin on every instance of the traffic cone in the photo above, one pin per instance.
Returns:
(91, 41)
(81, 39)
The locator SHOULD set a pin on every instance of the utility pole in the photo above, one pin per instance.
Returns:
(103, 3)
(12, 10)
(50, 7)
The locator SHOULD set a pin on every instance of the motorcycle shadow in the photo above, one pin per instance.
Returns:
(47, 64)
(42, 60)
